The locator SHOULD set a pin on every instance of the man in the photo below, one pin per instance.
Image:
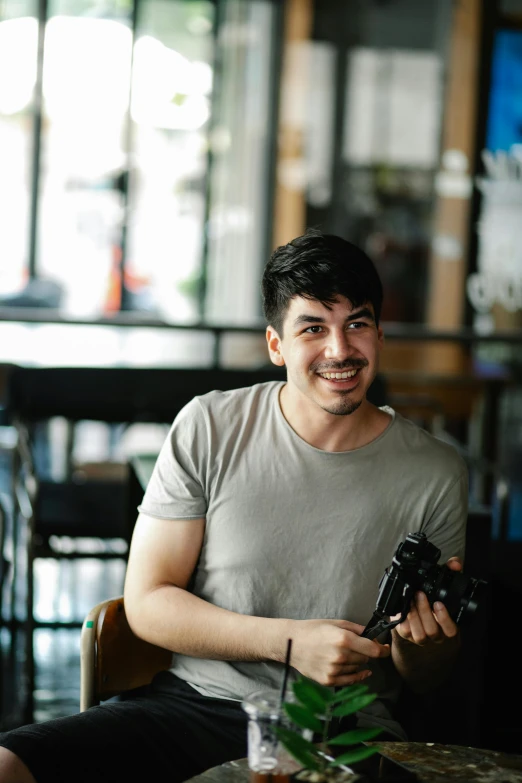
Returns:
(271, 514)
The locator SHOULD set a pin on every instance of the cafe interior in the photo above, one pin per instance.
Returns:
(153, 153)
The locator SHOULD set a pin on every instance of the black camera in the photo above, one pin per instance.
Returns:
(414, 568)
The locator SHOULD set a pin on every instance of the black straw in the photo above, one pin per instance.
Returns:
(286, 673)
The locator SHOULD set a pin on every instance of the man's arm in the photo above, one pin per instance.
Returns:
(162, 559)
(426, 644)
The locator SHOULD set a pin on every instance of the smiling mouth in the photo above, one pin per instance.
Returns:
(339, 376)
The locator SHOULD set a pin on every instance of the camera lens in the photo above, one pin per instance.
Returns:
(459, 593)
(473, 600)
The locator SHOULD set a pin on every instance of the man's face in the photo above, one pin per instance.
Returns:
(331, 355)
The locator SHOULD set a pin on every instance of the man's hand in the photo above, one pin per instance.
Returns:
(424, 625)
(332, 652)
(425, 645)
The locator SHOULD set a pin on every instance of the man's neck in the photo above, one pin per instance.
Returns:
(330, 432)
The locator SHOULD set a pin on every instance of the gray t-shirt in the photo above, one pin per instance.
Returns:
(296, 532)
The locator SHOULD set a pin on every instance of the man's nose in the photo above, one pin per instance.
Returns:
(339, 346)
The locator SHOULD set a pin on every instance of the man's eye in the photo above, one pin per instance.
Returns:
(357, 325)
(314, 329)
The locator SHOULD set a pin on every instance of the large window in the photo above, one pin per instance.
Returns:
(135, 155)
(139, 150)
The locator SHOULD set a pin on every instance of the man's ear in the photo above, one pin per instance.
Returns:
(274, 346)
(380, 336)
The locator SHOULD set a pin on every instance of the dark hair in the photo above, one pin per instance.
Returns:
(318, 266)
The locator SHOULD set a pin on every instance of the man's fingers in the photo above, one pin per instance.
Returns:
(416, 629)
(455, 564)
(437, 621)
(379, 651)
(352, 657)
(373, 649)
(444, 619)
(347, 668)
(349, 626)
(361, 645)
(351, 679)
(424, 626)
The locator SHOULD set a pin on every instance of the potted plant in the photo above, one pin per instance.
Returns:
(330, 758)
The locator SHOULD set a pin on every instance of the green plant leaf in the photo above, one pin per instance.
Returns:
(349, 692)
(310, 695)
(287, 735)
(349, 707)
(322, 690)
(303, 751)
(353, 755)
(355, 735)
(303, 717)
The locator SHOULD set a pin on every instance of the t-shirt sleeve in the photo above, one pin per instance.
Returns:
(176, 486)
(446, 526)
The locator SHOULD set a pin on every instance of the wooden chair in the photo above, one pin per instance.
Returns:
(113, 659)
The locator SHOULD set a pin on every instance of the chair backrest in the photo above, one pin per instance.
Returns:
(113, 659)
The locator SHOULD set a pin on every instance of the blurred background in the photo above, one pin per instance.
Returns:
(152, 155)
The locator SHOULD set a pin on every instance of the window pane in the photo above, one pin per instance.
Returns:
(171, 91)
(240, 177)
(18, 54)
(85, 99)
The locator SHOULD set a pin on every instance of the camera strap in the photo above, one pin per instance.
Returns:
(378, 624)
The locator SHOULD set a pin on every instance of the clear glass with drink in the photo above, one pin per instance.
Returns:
(268, 760)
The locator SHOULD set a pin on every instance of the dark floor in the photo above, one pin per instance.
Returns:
(57, 651)
(65, 590)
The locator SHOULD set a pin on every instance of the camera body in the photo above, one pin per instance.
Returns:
(415, 568)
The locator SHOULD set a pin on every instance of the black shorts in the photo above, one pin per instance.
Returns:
(163, 731)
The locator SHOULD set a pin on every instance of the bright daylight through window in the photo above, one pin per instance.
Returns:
(106, 184)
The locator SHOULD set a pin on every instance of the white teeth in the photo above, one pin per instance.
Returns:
(338, 375)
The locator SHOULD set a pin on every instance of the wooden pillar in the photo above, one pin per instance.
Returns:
(454, 182)
(290, 194)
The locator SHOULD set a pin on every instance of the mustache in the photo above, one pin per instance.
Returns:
(349, 364)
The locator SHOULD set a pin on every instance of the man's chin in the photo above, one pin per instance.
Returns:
(343, 407)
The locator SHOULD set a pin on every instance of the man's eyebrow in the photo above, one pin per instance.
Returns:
(363, 312)
(308, 319)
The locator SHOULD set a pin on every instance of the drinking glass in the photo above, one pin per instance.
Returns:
(266, 755)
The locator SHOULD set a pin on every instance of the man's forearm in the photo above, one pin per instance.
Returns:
(180, 621)
(424, 667)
